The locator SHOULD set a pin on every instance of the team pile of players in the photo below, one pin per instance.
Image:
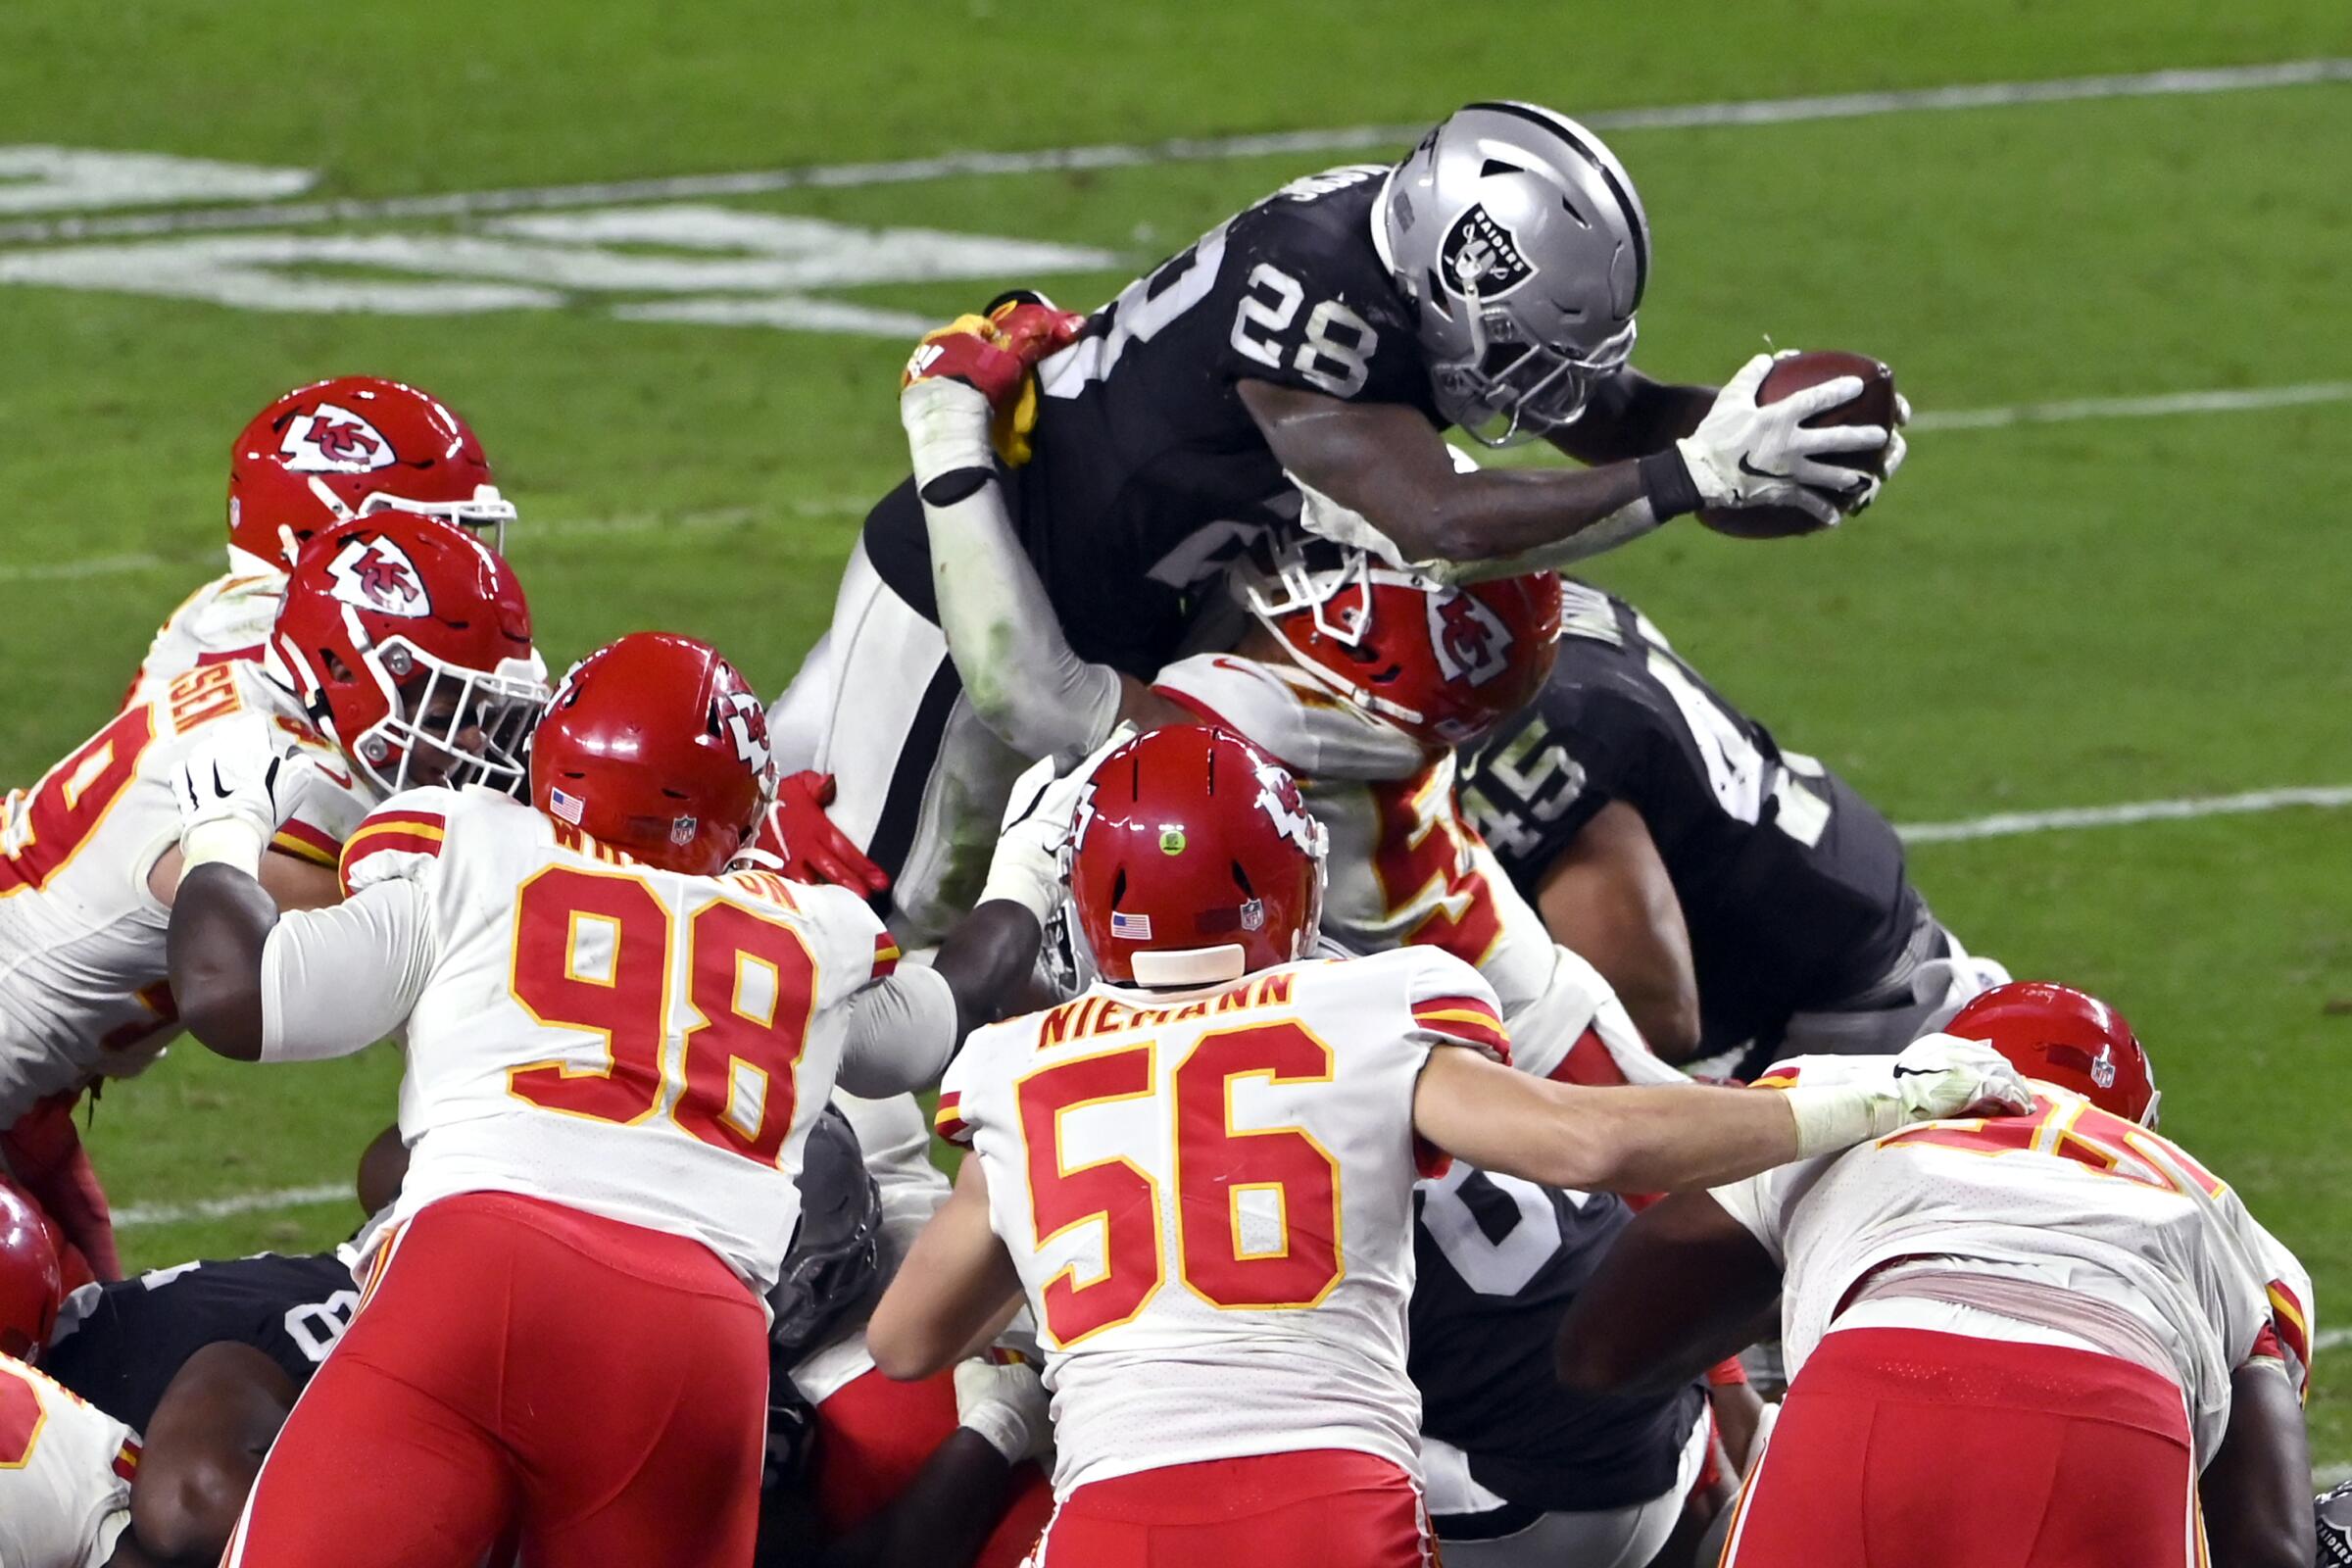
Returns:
(1313, 902)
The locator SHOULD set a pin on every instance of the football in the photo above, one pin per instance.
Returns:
(1874, 406)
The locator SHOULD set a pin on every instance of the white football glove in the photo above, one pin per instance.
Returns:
(1935, 1077)
(1026, 868)
(1007, 1403)
(1750, 453)
(235, 790)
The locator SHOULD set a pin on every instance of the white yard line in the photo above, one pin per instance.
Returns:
(1186, 149)
(132, 1216)
(528, 535)
(529, 532)
(2231, 399)
(2009, 824)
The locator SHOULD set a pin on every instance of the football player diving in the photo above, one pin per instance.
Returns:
(1295, 368)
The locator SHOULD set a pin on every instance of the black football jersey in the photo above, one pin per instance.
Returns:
(1497, 1262)
(1792, 885)
(125, 1350)
(1149, 475)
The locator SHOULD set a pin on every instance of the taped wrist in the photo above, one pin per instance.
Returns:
(1666, 480)
(1833, 1118)
(947, 426)
(223, 840)
(1023, 873)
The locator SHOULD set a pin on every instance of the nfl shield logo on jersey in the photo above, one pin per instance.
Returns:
(1471, 642)
(333, 440)
(378, 576)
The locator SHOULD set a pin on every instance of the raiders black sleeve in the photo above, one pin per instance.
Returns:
(1498, 1261)
(1793, 886)
(124, 1351)
(1149, 474)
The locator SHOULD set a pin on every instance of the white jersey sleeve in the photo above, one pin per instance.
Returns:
(339, 979)
(1291, 716)
(227, 619)
(65, 1475)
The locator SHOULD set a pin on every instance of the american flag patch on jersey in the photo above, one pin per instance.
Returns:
(565, 807)
(1130, 927)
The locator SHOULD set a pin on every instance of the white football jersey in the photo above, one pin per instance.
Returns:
(633, 1043)
(228, 618)
(82, 989)
(2068, 1196)
(1406, 868)
(64, 1474)
(1210, 1198)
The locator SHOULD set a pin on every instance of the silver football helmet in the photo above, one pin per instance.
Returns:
(1520, 241)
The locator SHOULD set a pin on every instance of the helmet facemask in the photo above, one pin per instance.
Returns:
(472, 726)
(1510, 390)
(484, 515)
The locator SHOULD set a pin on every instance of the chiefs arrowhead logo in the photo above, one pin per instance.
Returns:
(333, 440)
(1278, 797)
(1472, 644)
(742, 719)
(376, 576)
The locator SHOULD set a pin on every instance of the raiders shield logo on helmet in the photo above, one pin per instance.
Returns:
(1480, 254)
(333, 440)
(1472, 644)
(376, 576)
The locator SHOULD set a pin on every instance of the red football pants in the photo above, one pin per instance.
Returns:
(1902, 1447)
(1322, 1508)
(517, 1365)
(873, 1435)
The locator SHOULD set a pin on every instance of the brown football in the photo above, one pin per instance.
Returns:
(1874, 406)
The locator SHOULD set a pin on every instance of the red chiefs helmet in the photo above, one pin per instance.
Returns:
(657, 746)
(1192, 861)
(1443, 663)
(32, 1282)
(2065, 1037)
(409, 642)
(336, 449)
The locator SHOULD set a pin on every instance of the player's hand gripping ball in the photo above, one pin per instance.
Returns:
(1803, 478)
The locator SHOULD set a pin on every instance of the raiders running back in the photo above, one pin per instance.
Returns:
(1793, 886)
(1497, 1262)
(120, 1345)
(1149, 474)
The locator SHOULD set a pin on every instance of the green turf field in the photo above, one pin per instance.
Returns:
(2081, 613)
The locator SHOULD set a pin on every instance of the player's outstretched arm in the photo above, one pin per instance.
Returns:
(1630, 415)
(2256, 1493)
(1676, 1137)
(968, 398)
(1608, 899)
(1682, 1288)
(955, 1293)
(220, 923)
(1389, 463)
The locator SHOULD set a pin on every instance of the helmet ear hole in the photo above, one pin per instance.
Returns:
(336, 668)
